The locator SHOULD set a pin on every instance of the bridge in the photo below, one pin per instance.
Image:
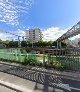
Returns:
(75, 30)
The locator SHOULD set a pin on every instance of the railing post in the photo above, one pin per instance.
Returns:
(20, 56)
(43, 56)
(59, 45)
(16, 54)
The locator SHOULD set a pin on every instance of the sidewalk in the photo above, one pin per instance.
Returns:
(5, 89)
(22, 85)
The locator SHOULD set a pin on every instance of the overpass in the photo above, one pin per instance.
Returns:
(75, 30)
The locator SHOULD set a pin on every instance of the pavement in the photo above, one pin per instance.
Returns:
(5, 89)
(31, 79)
(16, 84)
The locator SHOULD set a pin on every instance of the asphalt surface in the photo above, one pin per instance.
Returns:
(62, 83)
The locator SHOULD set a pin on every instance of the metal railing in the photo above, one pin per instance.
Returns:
(75, 30)
(68, 58)
(51, 58)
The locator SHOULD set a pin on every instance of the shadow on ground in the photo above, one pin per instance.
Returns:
(48, 81)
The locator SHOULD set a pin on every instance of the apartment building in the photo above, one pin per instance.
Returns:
(34, 35)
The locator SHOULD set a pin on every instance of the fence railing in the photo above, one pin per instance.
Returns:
(49, 58)
(68, 58)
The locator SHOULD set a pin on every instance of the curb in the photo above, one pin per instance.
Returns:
(14, 87)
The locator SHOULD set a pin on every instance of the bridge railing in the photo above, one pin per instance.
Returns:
(75, 30)
(68, 59)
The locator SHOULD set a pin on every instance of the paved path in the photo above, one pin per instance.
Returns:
(32, 80)
(5, 89)
(23, 85)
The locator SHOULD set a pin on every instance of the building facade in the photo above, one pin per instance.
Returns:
(34, 35)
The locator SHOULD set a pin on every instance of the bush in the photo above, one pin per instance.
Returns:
(55, 65)
(29, 61)
(51, 64)
(39, 64)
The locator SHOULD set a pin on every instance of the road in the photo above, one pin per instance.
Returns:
(65, 84)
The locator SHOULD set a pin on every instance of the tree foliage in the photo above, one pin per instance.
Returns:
(40, 43)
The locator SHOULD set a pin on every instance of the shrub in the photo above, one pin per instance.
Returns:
(39, 64)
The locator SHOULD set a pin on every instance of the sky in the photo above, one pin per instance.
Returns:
(53, 17)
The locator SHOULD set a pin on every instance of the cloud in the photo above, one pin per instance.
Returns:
(20, 32)
(2, 36)
(11, 10)
(9, 36)
(53, 33)
(75, 37)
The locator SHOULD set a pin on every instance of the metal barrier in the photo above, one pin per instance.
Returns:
(68, 58)
(18, 54)
(51, 58)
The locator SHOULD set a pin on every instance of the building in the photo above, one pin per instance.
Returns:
(34, 35)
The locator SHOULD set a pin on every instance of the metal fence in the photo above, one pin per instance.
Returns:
(16, 54)
(68, 58)
(51, 58)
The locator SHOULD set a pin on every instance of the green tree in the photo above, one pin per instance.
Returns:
(6, 43)
(13, 44)
(50, 43)
(29, 44)
(54, 43)
(23, 44)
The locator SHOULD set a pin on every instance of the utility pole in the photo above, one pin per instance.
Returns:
(19, 43)
(23, 38)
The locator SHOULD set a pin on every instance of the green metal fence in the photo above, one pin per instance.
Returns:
(68, 58)
(17, 55)
(54, 58)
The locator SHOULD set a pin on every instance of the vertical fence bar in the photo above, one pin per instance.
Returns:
(16, 54)
(43, 56)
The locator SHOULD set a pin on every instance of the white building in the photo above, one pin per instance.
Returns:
(34, 35)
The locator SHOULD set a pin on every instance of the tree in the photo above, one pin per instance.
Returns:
(13, 44)
(50, 43)
(54, 43)
(29, 44)
(23, 44)
(41, 43)
(6, 43)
